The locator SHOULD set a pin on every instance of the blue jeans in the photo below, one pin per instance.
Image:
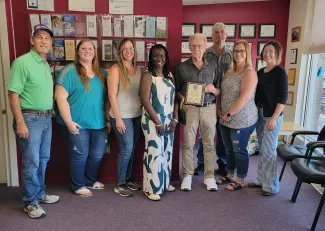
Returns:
(86, 151)
(220, 149)
(35, 152)
(127, 142)
(235, 141)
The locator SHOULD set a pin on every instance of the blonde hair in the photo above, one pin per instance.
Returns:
(82, 70)
(248, 54)
(123, 72)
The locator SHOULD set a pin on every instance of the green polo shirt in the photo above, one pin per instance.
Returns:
(31, 78)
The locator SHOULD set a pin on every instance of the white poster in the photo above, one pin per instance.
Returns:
(84, 5)
(46, 5)
(120, 6)
(107, 25)
(128, 26)
(46, 20)
(34, 20)
(117, 27)
(140, 51)
(91, 26)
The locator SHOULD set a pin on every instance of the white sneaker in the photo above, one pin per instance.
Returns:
(187, 183)
(211, 184)
(34, 211)
(151, 196)
(170, 188)
(49, 199)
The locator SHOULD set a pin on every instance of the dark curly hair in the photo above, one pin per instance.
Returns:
(151, 67)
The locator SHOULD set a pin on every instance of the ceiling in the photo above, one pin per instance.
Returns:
(204, 2)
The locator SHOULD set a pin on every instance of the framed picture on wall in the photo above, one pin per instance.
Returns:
(295, 34)
(291, 76)
(188, 29)
(206, 29)
(183, 59)
(267, 30)
(290, 98)
(230, 44)
(259, 64)
(293, 56)
(260, 46)
(247, 30)
(231, 30)
(185, 47)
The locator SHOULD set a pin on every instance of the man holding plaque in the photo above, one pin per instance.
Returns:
(222, 55)
(197, 86)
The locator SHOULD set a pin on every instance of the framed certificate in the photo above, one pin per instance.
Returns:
(188, 29)
(195, 93)
(290, 98)
(267, 31)
(185, 47)
(260, 46)
(259, 64)
(291, 76)
(230, 44)
(231, 30)
(206, 29)
(247, 30)
(293, 56)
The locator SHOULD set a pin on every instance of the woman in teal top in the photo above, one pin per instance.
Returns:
(80, 93)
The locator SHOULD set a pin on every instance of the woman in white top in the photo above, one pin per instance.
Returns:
(123, 92)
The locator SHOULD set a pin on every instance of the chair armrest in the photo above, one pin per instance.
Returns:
(302, 133)
(312, 146)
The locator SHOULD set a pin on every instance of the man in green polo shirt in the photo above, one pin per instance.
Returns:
(30, 92)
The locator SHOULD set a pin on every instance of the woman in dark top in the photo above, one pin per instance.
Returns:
(271, 96)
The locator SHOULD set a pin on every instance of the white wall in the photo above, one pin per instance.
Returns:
(300, 14)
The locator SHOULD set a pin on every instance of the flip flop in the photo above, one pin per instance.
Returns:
(97, 185)
(83, 192)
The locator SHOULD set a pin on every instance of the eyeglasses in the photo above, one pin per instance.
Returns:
(128, 49)
(268, 52)
(200, 47)
(239, 51)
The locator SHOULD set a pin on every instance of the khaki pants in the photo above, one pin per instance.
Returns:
(205, 117)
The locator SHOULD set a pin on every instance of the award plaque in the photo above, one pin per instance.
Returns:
(195, 93)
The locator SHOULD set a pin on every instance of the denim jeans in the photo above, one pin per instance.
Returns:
(235, 141)
(85, 151)
(35, 152)
(127, 142)
(267, 171)
(220, 149)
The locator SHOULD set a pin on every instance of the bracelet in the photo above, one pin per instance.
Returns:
(159, 125)
(175, 120)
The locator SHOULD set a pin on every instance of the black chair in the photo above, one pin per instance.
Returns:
(289, 152)
(310, 170)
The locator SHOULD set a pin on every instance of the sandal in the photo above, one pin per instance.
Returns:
(97, 185)
(234, 186)
(83, 192)
(224, 180)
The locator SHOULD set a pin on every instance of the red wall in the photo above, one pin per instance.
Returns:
(276, 11)
(57, 170)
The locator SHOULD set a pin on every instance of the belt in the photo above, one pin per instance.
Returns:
(44, 112)
(207, 104)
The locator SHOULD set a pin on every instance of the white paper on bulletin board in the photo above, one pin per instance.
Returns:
(82, 5)
(121, 6)
(46, 5)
